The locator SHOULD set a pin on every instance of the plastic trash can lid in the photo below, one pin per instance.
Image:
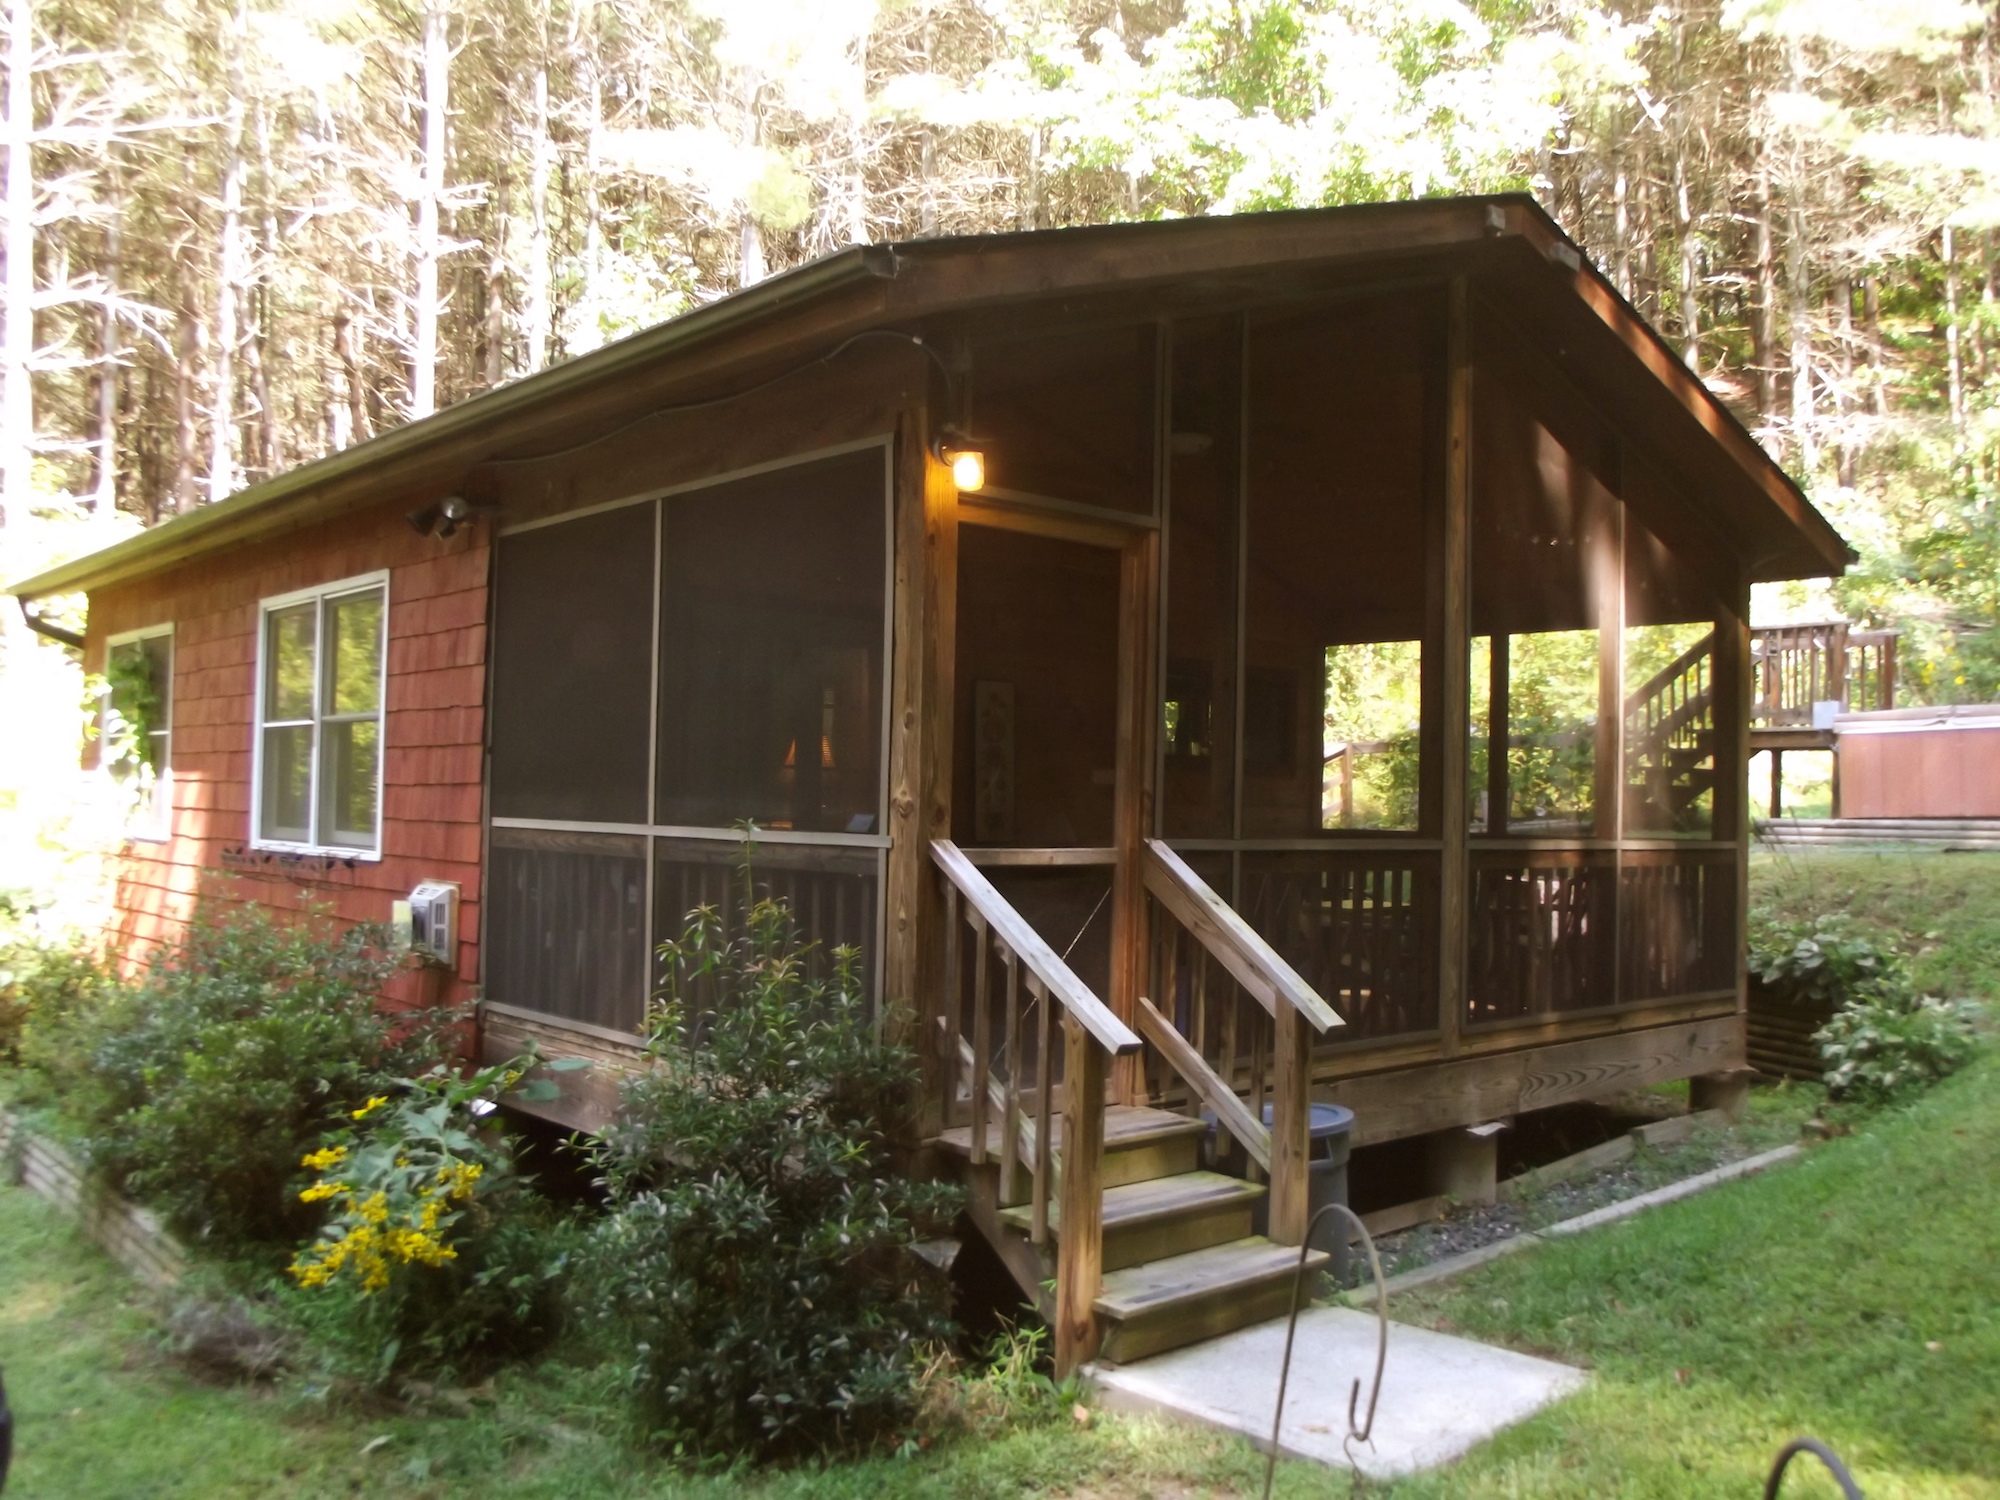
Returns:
(1327, 1120)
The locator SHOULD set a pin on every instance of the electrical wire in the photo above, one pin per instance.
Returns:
(673, 408)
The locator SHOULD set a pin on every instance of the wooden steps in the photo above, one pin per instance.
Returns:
(1183, 1299)
(1139, 1143)
(1180, 1263)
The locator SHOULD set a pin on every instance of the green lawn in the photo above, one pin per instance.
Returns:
(1854, 1296)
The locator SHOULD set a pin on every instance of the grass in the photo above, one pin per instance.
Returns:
(1851, 1296)
(1945, 907)
(102, 1411)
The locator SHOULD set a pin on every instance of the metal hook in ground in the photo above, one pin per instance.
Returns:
(1819, 1451)
(1356, 1431)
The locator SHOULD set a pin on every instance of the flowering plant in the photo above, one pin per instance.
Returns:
(402, 1175)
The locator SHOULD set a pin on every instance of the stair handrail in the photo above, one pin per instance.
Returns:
(1014, 932)
(1231, 941)
(1297, 1012)
(1091, 1036)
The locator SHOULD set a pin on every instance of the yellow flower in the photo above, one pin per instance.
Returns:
(322, 1190)
(329, 1156)
(375, 1102)
(374, 1208)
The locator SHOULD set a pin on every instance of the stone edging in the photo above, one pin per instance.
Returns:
(1458, 1265)
(130, 1235)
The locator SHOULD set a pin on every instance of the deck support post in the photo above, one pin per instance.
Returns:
(1080, 1230)
(1727, 1092)
(1465, 1163)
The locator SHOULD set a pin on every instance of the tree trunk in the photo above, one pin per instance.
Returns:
(230, 268)
(348, 357)
(17, 338)
(537, 312)
(436, 83)
(1953, 351)
(1690, 268)
(1621, 229)
(1843, 390)
(1763, 330)
(1800, 278)
(1871, 316)
(110, 351)
(496, 262)
(270, 446)
(187, 348)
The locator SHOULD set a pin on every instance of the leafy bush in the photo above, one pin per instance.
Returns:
(436, 1251)
(753, 1272)
(1883, 1037)
(1880, 1047)
(198, 1088)
(42, 985)
(1827, 962)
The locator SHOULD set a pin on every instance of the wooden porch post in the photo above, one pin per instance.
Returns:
(1455, 729)
(1138, 720)
(924, 619)
(1080, 1231)
(1291, 1117)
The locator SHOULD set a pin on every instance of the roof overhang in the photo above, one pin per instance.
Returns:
(804, 313)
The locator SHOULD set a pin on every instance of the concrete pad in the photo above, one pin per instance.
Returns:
(1440, 1395)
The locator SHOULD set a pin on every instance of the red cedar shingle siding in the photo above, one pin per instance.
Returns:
(433, 730)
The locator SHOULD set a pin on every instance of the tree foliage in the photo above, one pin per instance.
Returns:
(255, 231)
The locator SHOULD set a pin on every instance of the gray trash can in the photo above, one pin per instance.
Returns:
(1328, 1136)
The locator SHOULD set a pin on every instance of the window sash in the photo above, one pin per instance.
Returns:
(316, 805)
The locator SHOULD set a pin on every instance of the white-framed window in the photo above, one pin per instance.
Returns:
(136, 729)
(316, 783)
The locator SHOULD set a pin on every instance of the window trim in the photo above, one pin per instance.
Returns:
(158, 828)
(318, 596)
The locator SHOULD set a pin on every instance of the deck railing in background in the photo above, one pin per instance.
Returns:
(1797, 666)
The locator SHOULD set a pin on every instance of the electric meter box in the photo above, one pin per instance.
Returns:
(429, 921)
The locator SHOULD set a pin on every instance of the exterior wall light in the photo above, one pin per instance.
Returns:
(968, 468)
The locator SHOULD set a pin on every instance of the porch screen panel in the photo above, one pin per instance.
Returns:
(1677, 935)
(1544, 590)
(773, 593)
(572, 661)
(1541, 933)
(832, 893)
(565, 925)
(1360, 928)
(1545, 790)
(1197, 784)
(1671, 723)
(1344, 470)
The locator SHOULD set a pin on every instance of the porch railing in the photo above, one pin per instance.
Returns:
(1797, 666)
(1011, 1081)
(1234, 1023)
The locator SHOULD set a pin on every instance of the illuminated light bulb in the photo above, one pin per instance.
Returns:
(968, 469)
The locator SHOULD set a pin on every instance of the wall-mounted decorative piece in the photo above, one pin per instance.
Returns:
(992, 762)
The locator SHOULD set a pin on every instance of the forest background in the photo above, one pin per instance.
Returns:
(242, 234)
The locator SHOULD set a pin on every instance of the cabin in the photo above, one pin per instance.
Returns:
(1208, 668)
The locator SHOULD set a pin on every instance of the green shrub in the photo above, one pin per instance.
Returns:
(1827, 962)
(437, 1252)
(42, 986)
(1880, 1047)
(753, 1272)
(198, 1088)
